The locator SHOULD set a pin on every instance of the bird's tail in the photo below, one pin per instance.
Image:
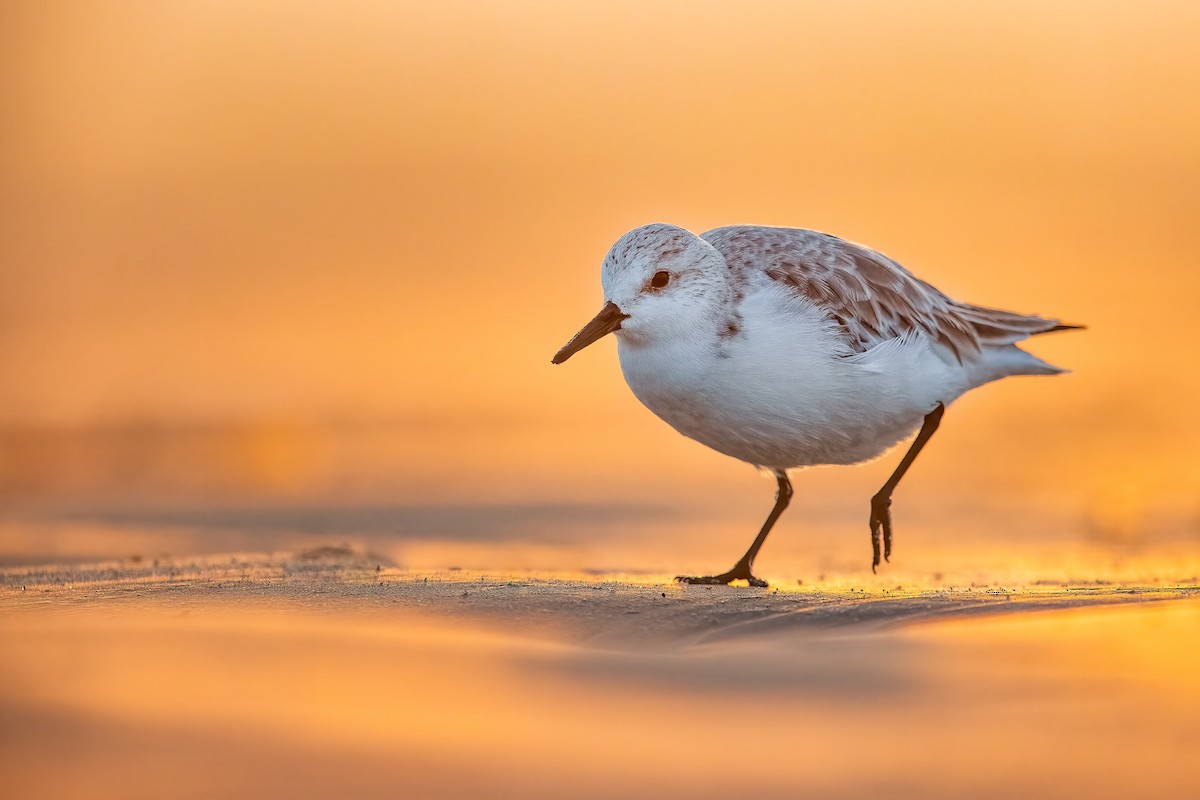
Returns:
(996, 328)
(1006, 361)
(999, 331)
(1061, 327)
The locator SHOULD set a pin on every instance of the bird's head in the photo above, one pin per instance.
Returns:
(659, 281)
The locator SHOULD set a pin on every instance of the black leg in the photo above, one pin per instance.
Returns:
(742, 569)
(881, 503)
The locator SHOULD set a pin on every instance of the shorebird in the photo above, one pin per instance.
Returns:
(791, 348)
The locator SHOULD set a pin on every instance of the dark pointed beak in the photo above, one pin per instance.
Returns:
(607, 321)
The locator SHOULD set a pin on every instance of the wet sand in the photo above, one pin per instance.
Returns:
(329, 673)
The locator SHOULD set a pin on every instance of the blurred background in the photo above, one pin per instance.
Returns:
(277, 273)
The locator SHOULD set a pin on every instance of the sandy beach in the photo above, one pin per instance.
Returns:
(326, 674)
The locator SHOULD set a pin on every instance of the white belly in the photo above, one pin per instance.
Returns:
(781, 396)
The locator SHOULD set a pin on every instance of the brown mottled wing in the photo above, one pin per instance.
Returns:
(871, 297)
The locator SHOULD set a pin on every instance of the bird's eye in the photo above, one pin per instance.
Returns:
(660, 279)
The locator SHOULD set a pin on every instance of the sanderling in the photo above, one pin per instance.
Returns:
(791, 348)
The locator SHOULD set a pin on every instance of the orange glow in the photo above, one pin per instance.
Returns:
(285, 278)
(285, 252)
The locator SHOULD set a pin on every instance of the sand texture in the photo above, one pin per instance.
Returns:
(327, 673)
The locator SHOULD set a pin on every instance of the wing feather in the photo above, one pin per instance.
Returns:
(870, 297)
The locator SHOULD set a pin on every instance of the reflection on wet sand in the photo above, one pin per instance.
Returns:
(327, 676)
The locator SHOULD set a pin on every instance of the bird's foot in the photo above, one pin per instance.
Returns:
(739, 573)
(881, 523)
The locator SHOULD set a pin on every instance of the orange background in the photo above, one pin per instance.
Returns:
(302, 249)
